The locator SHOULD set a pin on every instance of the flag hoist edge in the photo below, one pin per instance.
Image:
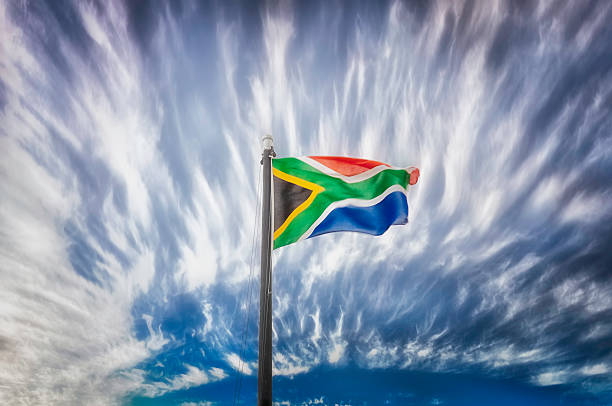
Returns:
(317, 195)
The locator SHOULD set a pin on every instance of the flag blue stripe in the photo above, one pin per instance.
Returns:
(374, 220)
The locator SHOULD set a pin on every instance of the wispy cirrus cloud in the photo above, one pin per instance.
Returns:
(129, 182)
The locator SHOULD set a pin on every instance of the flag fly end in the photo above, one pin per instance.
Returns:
(414, 174)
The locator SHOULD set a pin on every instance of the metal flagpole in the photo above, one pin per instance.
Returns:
(264, 372)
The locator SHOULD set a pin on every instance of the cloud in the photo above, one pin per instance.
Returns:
(194, 377)
(288, 366)
(156, 340)
(130, 174)
(218, 373)
(69, 263)
(551, 378)
(338, 345)
(596, 369)
(238, 364)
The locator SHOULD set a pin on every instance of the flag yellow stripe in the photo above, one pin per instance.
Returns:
(316, 189)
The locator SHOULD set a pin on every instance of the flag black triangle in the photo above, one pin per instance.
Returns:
(287, 197)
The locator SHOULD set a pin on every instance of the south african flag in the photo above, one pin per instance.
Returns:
(316, 195)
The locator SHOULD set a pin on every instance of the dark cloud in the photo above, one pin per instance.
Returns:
(419, 8)
(447, 38)
(3, 95)
(83, 257)
(513, 34)
(144, 18)
(583, 14)
(576, 86)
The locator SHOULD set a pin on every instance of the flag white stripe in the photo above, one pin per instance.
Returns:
(348, 179)
(352, 202)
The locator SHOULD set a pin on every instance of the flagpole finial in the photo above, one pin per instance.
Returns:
(268, 141)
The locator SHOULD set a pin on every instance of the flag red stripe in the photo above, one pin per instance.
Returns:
(347, 166)
(414, 175)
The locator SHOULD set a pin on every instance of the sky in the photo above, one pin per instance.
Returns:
(130, 181)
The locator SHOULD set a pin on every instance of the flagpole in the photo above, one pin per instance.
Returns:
(264, 371)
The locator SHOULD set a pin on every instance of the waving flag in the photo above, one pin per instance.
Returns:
(317, 195)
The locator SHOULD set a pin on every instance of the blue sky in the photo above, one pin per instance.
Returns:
(130, 177)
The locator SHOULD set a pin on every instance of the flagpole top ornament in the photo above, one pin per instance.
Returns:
(268, 141)
(268, 145)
